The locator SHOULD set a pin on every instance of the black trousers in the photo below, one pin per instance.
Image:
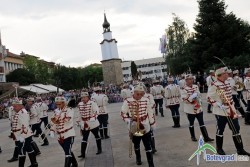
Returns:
(248, 105)
(67, 145)
(37, 128)
(199, 117)
(232, 123)
(236, 101)
(25, 146)
(158, 102)
(45, 121)
(146, 139)
(175, 110)
(85, 134)
(103, 120)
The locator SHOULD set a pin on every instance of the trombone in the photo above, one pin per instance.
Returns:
(45, 132)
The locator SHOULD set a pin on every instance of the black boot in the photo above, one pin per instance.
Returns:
(178, 122)
(209, 108)
(35, 148)
(33, 161)
(101, 133)
(99, 146)
(0, 150)
(106, 133)
(83, 149)
(15, 155)
(239, 145)
(153, 144)
(242, 112)
(161, 111)
(174, 120)
(68, 161)
(156, 111)
(191, 129)
(45, 140)
(205, 134)
(21, 160)
(247, 118)
(150, 159)
(138, 156)
(219, 144)
(74, 161)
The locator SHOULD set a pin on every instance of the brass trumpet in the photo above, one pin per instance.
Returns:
(239, 86)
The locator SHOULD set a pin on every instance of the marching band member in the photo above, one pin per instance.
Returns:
(158, 91)
(15, 154)
(233, 87)
(220, 96)
(23, 134)
(238, 79)
(152, 103)
(102, 101)
(172, 100)
(87, 119)
(64, 127)
(126, 92)
(211, 78)
(43, 115)
(182, 82)
(192, 107)
(247, 87)
(137, 112)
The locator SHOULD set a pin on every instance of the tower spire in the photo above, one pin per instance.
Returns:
(106, 25)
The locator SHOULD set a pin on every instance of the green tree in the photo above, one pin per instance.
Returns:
(22, 76)
(134, 71)
(217, 34)
(177, 35)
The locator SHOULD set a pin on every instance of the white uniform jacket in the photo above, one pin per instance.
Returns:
(182, 83)
(172, 94)
(214, 97)
(210, 79)
(157, 91)
(102, 102)
(87, 115)
(65, 127)
(146, 116)
(126, 93)
(34, 114)
(151, 100)
(231, 82)
(191, 106)
(43, 107)
(247, 87)
(20, 124)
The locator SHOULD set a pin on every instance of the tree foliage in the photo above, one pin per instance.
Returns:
(134, 71)
(177, 35)
(23, 76)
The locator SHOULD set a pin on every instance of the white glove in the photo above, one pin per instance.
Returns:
(92, 119)
(127, 120)
(153, 127)
(221, 106)
(52, 134)
(194, 95)
(21, 139)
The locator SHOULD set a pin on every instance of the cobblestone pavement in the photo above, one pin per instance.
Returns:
(174, 146)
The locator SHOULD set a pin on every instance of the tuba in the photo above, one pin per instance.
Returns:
(239, 86)
(136, 128)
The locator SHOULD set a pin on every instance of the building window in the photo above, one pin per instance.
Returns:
(1, 70)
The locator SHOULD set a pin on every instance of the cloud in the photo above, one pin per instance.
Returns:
(69, 31)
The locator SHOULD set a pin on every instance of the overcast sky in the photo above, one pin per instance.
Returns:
(69, 32)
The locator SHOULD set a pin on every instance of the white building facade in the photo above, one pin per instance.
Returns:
(150, 68)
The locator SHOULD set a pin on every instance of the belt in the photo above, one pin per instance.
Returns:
(16, 130)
